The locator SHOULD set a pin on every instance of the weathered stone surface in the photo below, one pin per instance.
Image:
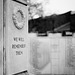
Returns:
(16, 32)
(1, 37)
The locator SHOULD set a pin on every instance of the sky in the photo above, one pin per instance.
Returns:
(62, 6)
(56, 6)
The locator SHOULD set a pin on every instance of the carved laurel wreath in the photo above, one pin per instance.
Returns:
(18, 25)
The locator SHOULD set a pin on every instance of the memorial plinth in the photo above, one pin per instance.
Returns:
(16, 36)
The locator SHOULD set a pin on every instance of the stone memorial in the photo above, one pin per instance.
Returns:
(52, 54)
(16, 36)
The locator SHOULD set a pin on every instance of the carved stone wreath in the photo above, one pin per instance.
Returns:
(18, 25)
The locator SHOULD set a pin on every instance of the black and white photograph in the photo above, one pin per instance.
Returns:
(37, 37)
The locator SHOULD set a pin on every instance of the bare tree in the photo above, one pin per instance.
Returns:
(35, 10)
